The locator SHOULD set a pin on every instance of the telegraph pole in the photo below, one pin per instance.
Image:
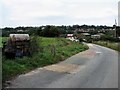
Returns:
(115, 29)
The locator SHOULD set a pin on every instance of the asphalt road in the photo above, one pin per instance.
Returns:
(94, 68)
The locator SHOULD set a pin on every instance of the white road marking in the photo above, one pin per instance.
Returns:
(98, 52)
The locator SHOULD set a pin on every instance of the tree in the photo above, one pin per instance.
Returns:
(51, 31)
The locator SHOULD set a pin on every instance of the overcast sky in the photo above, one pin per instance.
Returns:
(57, 12)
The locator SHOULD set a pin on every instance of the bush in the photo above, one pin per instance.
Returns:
(35, 45)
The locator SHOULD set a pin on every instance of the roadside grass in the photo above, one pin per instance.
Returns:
(48, 41)
(2, 39)
(112, 45)
(63, 48)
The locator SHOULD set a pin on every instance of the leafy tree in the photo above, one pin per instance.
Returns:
(51, 31)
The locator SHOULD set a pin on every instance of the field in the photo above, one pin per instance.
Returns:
(63, 49)
(112, 45)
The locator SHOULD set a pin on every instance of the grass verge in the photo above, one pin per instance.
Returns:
(63, 48)
(112, 45)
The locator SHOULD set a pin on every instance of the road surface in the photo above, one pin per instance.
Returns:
(94, 68)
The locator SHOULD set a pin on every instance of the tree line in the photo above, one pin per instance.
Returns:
(56, 31)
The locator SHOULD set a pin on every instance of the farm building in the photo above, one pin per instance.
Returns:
(19, 37)
(17, 45)
(69, 35)
(86, 34)
(95, 36)
(72, 37)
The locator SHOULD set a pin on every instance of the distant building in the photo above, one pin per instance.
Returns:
(86, 34)
(71, 37)
(20, 31)
(97, 36)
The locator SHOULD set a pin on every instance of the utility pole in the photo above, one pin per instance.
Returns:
(115, 28)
